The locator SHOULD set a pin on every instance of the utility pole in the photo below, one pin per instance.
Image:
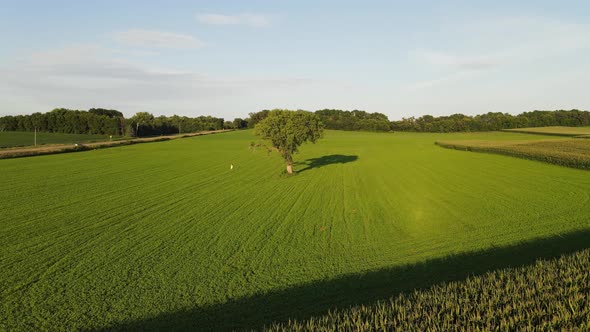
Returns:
(35, 136)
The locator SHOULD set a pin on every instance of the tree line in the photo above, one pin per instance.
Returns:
(492, 121)
(338, 120)
(101, 121)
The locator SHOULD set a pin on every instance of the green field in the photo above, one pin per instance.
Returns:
(554, 130)
(550, 295)
(165, 236)
(9, 139)
(565, 152)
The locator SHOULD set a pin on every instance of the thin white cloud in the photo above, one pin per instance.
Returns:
(437, 81)
(505, 44)
(83, 76)
(157, 39)
(254, 20)
(461, 62)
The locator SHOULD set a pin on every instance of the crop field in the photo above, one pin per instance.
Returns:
(555, 130)
(502, 300)
(566, 152)
(165, 235)
(10, 139)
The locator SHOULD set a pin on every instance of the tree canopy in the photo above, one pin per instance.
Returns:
(109, 122)
(492, 121)
(286, 130)
(353, 120)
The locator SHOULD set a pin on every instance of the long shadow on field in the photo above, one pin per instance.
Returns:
(326, 160)
(317, 298)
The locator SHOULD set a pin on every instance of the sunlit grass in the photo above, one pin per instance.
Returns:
(128, 234)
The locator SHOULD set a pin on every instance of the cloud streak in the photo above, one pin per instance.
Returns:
(461, 62)
(84, 76)
(156, 39)
(507, 44)
(248, 19)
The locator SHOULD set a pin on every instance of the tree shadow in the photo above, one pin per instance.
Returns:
(325, 160)
(316, 298)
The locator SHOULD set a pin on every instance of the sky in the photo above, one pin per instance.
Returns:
(230, 58)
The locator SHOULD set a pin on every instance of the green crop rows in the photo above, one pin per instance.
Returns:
(549, 295)
(565, 152)
(554, 130)
(10, 139)
(165, 236)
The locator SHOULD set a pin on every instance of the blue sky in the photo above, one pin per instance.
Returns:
(229, 58)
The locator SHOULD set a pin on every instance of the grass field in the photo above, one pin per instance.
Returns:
(565, 152)
(555, 130)
(9, 139)
(165, 236)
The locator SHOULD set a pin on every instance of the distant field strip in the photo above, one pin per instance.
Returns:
(9, 139)
(571, 152)
(554, 131)
(91, 145)
(166, 236)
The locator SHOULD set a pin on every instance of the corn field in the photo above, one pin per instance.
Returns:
(566, 152)
(548, 296)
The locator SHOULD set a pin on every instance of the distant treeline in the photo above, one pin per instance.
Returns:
(339, 120)
(112, 122)
(354, 120)
(99, 121)
(61, 120)
(361, 120)
(492, 121)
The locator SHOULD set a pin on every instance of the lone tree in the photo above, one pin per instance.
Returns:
(287, 130)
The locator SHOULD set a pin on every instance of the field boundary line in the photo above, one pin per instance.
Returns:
(65, 148)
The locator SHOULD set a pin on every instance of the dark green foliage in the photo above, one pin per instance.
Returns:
(287, 130)
(492, 121)
(353, 120)
(98, 121)
(240, 123)
(109, 113)
(362, 121)
(65, 121)
(570, 153)
(256, 117)
(145, 124)
(549, 295)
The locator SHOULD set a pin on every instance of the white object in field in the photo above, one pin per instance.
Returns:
(231, 166)
(76, 144)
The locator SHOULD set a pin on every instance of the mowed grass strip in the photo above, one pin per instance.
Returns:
(553, 130)
(548, 295)
(9, 139)
(164, 235)
(570, 153)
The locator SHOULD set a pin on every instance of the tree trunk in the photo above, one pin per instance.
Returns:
(290, 167)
